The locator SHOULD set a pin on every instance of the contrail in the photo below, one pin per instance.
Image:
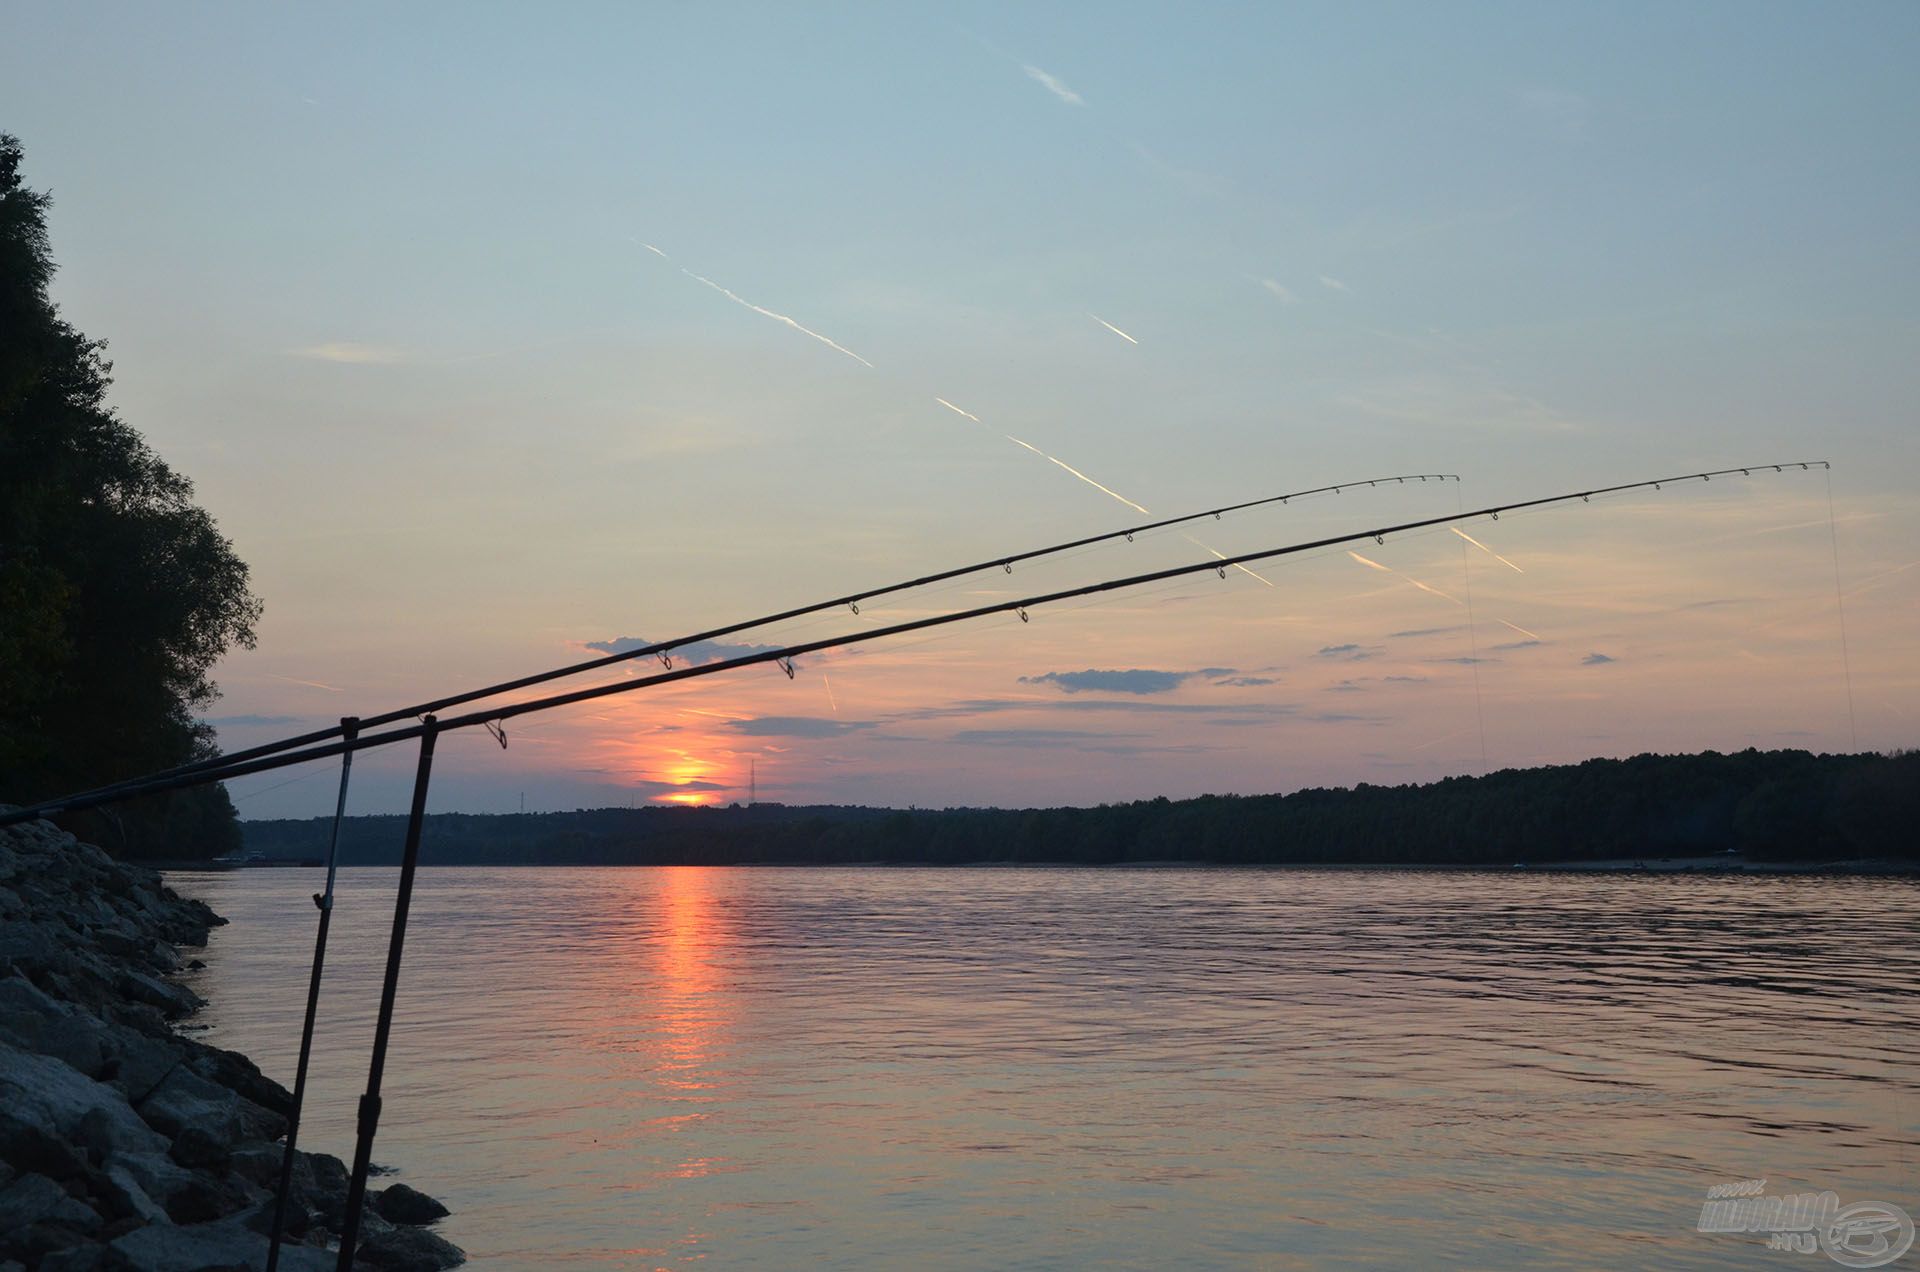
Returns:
(802, 329)
(1115, 330)
(1105, 490)
(1406, 577)
(311, 684)
(1484, 548)
(1221, 556)
(1516, 627)
(744, 302)
(827, 680)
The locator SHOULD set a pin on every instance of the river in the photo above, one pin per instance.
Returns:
(961, 1068)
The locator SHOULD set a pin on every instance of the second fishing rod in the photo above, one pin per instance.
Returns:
(664, 649)
(234, 767)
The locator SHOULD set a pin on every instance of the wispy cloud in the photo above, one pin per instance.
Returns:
(1278, 289)
(1137, 680)
(1053, 85)
(1334, 284)
(1426, 631)
(699, 651)
(346, 351)
(1597, 660)
(795, 727)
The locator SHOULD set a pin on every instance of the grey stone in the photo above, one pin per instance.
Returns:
(35, 1147)
(184, 1099)
(203, 1246)
(130, 1197)
(158, 1176)
(402, 1204)
(259, 1162)
(33, 1199)
(410, 1249)
(45, 1092)
(87, 1257)
(200, 1149)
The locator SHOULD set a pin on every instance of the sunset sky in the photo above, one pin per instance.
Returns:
(489, 336)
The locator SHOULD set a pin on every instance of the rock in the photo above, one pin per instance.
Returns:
(408, 1249)
(124, 1144)
(402, 1204)
(183, 1098)
(159, 1177)
(200, 1149)
(203, 1246)
(53, 1096)
(258, 1162)
(173, 1000)
(36, 1241)
(234, 1071)
(28, 1146)
(88, 1257)
(320, 1181)
(130, 1198)
(136, 1062)
(34, 1199)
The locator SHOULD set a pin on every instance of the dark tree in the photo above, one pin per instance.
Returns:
(117, 593)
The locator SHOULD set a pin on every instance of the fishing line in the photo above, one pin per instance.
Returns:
(1840, 608)
(663, 649)
(1473, 637)
(281, 755)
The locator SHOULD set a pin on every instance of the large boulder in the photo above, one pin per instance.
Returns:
(52, 1096)
(401, 1204)
(199, 1247)
(408, 1249)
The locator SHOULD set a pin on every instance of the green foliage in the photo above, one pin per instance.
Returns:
(117, 593)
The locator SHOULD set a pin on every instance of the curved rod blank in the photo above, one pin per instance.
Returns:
(496, 715)
(664, 649)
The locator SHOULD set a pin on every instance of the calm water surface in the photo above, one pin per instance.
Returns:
(1055, 1068)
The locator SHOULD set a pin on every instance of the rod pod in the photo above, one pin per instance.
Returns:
(369, 1115)
(349, 729)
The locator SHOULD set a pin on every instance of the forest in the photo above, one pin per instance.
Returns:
(1766, 805)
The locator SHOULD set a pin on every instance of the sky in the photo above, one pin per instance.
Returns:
(492, 334)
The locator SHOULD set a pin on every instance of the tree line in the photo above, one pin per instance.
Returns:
(1768, 805)
(117, 592)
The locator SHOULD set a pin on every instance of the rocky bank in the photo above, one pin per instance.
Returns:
(122, 1143)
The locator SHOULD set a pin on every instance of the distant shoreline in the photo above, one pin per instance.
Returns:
(1719, 865)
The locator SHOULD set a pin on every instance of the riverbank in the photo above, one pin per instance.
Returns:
(122, 1143)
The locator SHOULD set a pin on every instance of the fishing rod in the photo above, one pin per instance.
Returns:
(664, 649)
(429, 729)
(236, 766)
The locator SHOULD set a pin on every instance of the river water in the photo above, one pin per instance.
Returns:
(1062, 1067)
